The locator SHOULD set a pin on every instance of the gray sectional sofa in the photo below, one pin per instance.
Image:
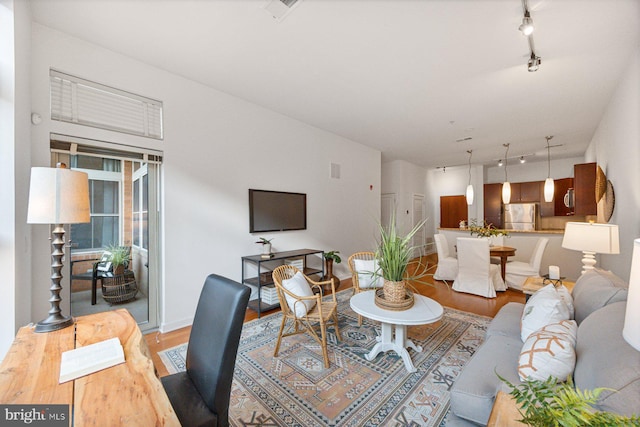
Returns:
(603, 357)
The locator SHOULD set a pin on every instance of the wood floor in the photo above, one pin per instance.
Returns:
(434, 289)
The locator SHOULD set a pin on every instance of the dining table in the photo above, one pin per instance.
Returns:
(502, 252)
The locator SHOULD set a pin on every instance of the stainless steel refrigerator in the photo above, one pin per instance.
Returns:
(521, 216)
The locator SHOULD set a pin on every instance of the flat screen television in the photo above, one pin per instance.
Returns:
(276, 211)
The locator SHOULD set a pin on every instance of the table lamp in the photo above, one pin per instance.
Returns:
(591, 238)
(57, 196)
(631, 330)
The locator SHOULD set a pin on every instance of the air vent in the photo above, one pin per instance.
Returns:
(279, 9)
(335, 170)
(466, 138)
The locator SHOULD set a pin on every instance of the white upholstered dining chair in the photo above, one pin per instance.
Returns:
(447, 268)
(476, 275)
(518, 271)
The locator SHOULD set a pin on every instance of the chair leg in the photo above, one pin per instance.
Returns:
(359, 320)
(335, 326)
(325, 353)
(275, 352)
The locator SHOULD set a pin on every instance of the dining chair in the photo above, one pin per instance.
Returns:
(364, 277)
(447, 268)
(302, 309)
(476, 274)
(200, 395)
(517, 272)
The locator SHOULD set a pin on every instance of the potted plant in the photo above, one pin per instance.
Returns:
(488, 231)
(329, 258)
(394, 254)
(266, 245)
(119, 258)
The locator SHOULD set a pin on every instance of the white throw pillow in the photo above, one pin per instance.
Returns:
(367, 273)
(548, 305)
(299, 286)
(549, 352)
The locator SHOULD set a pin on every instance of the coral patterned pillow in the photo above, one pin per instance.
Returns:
(549, 352)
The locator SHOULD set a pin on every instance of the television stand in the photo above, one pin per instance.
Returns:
(264, 279)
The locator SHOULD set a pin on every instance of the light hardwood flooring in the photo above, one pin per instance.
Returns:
(435, 289)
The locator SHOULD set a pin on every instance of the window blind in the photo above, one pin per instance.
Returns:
(81, 101)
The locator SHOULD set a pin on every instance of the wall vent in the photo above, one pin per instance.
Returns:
(335, 170)
(279, 9)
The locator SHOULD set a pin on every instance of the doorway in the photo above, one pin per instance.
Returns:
(124, 195)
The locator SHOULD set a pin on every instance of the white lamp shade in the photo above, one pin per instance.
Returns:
(548, 190)
(506, 192)
(631, 330)
(469, 194)
(58, 196)
(591, 237)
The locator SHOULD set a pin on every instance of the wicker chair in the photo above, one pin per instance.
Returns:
(359, 274)
(322, 314)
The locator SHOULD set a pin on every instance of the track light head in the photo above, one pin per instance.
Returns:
(527, 24)
(500, 162)
(522, 159)
(534, 63)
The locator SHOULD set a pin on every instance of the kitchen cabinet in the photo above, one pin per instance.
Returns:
(584, 180)
(453, 209)
(493, 204)
(530, 192)
(556, 207)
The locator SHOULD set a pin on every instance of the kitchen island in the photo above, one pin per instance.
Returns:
(525, 241)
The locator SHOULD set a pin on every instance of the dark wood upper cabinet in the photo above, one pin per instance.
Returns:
(453, 209)
(530, 192)
(493, 204)
(584, 180)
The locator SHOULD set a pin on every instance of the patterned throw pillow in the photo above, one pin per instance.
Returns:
(549, 352)
(549, 305)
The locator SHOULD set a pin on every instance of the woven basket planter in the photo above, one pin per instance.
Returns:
(394, 296)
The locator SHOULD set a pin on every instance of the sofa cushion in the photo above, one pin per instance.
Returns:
(549, 305)
(549, 352)
(595, 289)
(605, 359)
(507, 321)
(474, 391)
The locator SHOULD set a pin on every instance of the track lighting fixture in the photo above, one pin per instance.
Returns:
(527, 24)
(470, 187)
(506, 187)
(500, 163)
(527, 29)
(522, 159)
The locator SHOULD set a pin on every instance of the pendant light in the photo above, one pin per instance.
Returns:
(470, 187)
(506, 187)
(548, 183)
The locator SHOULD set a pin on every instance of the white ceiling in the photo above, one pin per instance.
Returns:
(407, 77)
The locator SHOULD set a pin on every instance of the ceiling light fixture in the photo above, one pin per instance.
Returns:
(500, 163)
(548, 183)
(533, 64)
(527, 23)
(470, 187)
(522, 159)
(506, 186)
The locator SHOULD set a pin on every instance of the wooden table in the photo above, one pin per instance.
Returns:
(393, 324)
(125, 394)
(503, 252)
(504, 412)
(534, 283)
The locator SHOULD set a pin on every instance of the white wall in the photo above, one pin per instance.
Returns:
(405, 179)
(14, 171)
(453, 181)
(216, 147)
(616, 148)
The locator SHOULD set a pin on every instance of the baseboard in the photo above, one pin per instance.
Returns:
(172, 326)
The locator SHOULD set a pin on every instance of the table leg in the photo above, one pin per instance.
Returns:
(503, 266)
(399, 344)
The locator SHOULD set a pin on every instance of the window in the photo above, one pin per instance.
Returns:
(104, 195)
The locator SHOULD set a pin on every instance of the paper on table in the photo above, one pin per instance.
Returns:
(89, 359)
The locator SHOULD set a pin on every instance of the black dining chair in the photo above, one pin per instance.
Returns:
(200, 396)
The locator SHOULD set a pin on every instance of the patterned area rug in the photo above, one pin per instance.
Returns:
(294, 389)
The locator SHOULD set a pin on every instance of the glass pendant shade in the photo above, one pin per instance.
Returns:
(548, 190)
(506, 192)
(469, 194)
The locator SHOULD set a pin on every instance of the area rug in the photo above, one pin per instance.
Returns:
(294, 389)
